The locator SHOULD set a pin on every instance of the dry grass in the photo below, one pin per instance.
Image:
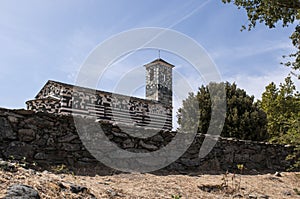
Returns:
(135, 185)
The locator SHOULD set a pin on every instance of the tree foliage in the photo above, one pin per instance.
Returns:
(270, 12)
(282, 106)
(295, 37)
(244, 119)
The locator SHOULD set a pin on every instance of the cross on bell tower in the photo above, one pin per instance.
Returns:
(159, 81)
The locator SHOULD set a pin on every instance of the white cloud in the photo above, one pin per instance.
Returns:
(255, 85)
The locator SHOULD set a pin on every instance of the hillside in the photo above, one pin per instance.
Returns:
(137, 185)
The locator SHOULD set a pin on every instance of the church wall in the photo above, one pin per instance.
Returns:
(44, 105)
(102, 106)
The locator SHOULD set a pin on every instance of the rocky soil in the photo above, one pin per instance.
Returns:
(19, 182)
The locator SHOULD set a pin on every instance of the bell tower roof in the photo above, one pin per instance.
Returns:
(159, 61)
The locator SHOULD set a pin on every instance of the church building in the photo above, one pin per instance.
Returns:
(153, 112)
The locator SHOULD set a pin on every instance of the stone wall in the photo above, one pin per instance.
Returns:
(52, 139)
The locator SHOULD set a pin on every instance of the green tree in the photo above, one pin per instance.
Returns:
(244, 119)
(270, 12)
(269, 105)
(282, 106)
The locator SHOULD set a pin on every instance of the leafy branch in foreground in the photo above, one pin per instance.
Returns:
(271, 12)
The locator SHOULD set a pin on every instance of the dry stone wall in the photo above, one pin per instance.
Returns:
(52, 139)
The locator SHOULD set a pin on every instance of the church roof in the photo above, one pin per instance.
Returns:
(85, 89)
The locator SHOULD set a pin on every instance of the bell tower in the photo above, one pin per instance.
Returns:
(159, 81)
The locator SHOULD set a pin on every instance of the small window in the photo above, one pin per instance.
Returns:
(151, 74)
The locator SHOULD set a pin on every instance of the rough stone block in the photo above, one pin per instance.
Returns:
(158, 138)
(68, 138)
(12, 119)
(18, 150)
(6, 131)
(70, 147)
(20, 191)
(128, 144)
(148, 146)
(40, 156)
(26, 135)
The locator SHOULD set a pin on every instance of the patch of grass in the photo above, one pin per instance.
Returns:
(176, 196)
(297, 191)
(230, 183)
(11, 164)
(7, 166)
(58, 169)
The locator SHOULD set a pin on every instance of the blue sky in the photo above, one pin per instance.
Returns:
(43, 40)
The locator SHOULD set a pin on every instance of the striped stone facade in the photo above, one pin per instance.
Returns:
(61, 98)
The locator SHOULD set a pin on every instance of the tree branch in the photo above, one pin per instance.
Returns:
(293, 4)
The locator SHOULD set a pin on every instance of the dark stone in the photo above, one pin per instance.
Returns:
(23, 112)
(7, 166)
(190, 162)
(77, 189)
(212, 164)
(68, 138)
(120, 134)
(40, 156)
(56, 156)
(193, 150)
(61, 185)
(210, 188)
(70, 147)
(128, 144)
(41, 142)
(158, 138)
(6, 131)
(257, 157)
(238, 195)
(12, 119)
(26, 135)
(252, 196)
(19, 191)
(175, 166)
(264, 197)
(88, 160)
(115, 129)
(18, 150)
(50, 142)
(148, 146)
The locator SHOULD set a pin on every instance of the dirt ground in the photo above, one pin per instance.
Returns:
(137, 185)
